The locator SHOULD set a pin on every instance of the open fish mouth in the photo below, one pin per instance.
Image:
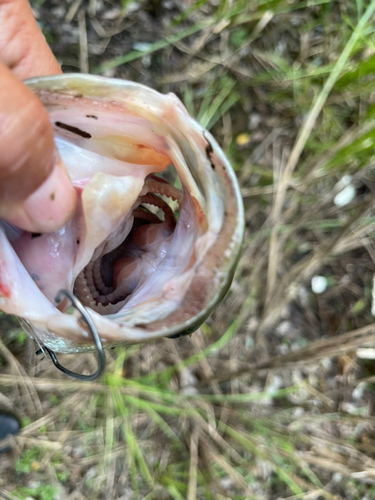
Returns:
(107, 283)
(153, 244)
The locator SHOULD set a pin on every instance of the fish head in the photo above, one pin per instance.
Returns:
(153, 244)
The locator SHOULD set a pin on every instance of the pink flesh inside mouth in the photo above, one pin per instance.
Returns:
(152, 245)
(108, 281)
(132, 239)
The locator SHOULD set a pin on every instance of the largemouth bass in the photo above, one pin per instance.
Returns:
(154, 241)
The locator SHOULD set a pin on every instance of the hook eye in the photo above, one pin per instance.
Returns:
(98, 344)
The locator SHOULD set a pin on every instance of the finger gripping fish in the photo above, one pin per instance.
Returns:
(152, 246)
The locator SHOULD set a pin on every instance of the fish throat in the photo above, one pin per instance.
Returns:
(108, 281)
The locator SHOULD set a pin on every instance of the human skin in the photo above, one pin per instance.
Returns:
(35, 190)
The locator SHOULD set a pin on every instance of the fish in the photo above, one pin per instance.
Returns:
(154, 241)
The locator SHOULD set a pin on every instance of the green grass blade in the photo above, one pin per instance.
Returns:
(213, 348)
(154, 47)
(226, 85)
(322, 96)
(175, 494)
(246, 443)
(148, 407)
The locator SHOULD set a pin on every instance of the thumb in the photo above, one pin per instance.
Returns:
(35, 191)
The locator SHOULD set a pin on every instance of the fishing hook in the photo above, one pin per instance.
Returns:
(98, 344)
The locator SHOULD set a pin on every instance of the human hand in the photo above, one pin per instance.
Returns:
(35, 191)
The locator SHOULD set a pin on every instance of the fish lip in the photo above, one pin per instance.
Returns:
(214, 156)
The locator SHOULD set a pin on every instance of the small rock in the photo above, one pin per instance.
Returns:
(265, 468)
(359, 390)
(298, 412)
(58, 11)
(146, 61)
(303, 296)
(141, 46)
(276, 383)
(249, 342)
(226, 483)
(188, 382)
(337, 477)
(91, 473)
(345, 196)
(284, 328)
(319, 284)
(112, 14)
(254, 120)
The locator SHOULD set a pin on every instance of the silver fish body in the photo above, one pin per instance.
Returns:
(155, 239)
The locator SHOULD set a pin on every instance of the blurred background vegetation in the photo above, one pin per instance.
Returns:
(273, 398)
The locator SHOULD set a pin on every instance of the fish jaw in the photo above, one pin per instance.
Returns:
(117, 139)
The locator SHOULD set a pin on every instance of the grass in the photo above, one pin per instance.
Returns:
(272, 397)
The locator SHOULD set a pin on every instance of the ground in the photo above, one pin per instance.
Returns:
(273, 398)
